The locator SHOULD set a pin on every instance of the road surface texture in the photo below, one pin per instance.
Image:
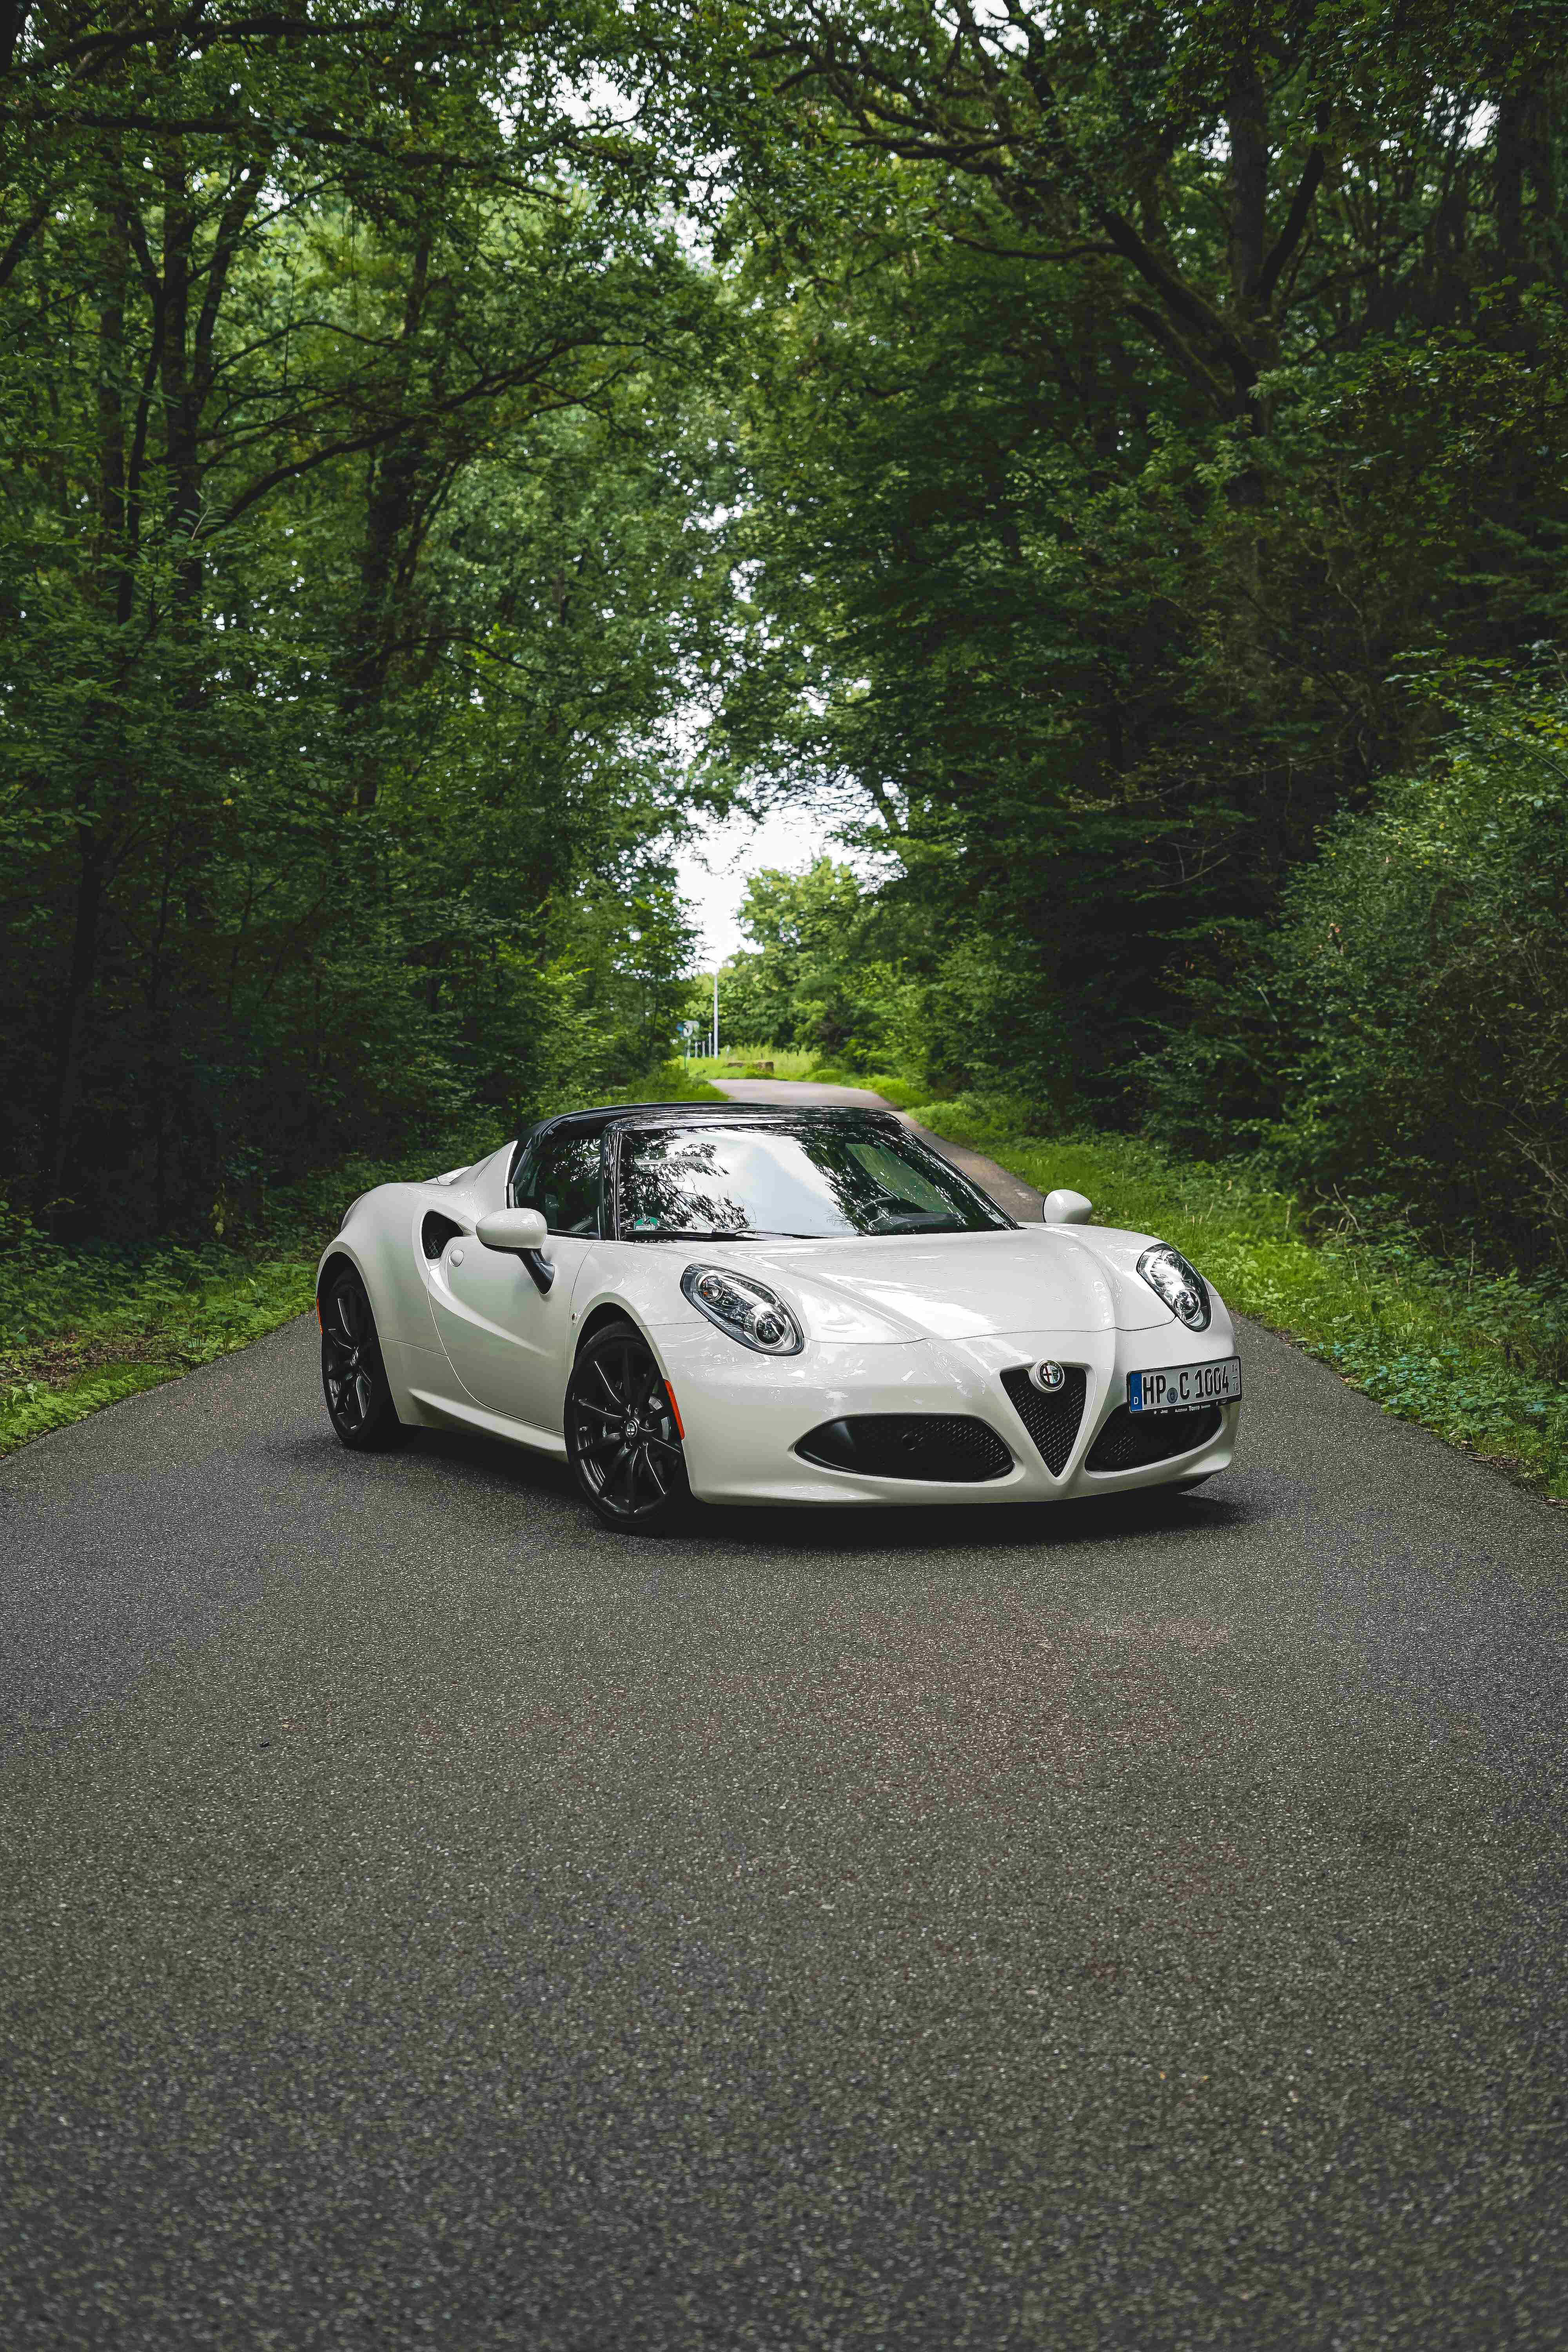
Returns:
(433, 1922)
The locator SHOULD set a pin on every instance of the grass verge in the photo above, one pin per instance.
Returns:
(81, 1328)
(1479, 1358)
(754, 1062)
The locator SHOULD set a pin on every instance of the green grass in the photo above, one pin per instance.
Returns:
(745, 1061)
(899, 1092)
(81, 1329)
(1479, 1358)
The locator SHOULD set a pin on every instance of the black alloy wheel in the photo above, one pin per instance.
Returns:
(353, 1377)
(622, 1438)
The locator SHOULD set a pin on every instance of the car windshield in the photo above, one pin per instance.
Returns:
(809, 1182)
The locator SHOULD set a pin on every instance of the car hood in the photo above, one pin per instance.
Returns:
(953, 1285)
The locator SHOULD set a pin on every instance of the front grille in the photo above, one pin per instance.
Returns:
(1132, 1441)
(941, 1447)
(1051, 1421)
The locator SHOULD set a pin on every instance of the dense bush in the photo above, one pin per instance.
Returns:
(1400, 1037)
(1423, 962)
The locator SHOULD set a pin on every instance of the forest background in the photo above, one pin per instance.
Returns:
(1112, 459)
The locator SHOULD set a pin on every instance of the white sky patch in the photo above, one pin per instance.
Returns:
(715, 865)
(719, 860)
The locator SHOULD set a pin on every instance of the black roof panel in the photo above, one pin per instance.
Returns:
(593, 1121)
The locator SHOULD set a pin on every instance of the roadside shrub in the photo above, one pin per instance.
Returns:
(982, 1022)
(1422, 965)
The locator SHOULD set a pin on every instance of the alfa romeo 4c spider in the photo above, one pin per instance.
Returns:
(770, 1306)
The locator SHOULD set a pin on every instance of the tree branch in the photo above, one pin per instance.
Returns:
(1177, 349)
(22, 237)
(1291, 235)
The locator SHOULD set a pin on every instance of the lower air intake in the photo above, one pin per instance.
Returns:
(1051, 1419)
(941, 1447)
(1132, 1441)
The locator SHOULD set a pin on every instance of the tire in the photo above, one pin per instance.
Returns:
(353, 1376)
(636, 1484)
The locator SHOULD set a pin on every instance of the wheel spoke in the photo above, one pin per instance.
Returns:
(348, 1318)
(629, 1473)
(364, 1394)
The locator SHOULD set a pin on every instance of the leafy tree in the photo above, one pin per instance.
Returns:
(810, 977)
(1137, 388)
(353, 392)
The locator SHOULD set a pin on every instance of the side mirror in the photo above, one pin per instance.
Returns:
(512, 1229)
(1060, 1208)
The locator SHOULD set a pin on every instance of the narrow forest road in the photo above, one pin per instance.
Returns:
(432, 1922)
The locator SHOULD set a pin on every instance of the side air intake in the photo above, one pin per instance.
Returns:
(436, 1232)
(942, 1448)
(1132, 1441)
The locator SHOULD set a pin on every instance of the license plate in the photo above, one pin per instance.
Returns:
(1184, 1386)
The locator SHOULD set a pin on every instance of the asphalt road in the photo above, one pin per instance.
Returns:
(432, 1922)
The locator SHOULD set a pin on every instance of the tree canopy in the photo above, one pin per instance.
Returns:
(1085, 445)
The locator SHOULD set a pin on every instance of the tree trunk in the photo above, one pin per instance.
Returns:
(391, 485)
(70, 1033)
(180, 404)
(1246, 117)
(86, 913)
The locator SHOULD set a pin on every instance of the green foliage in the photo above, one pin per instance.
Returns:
(976, 1017)
(1481, 1359)
(1136, 388)
(1424, 963)
(353, 586)
(811, 977)
(1079, 444)
(1400, 1039)
(737, 1060)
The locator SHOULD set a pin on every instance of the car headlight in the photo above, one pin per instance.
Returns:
(1181, 1285)
(748, 1310)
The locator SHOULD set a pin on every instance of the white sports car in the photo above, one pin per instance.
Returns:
(761, 1304)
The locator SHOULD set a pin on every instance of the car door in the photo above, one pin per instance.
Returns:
(508, 1341)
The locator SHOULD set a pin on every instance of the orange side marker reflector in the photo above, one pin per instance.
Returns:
(320, 1324)
(680, 1425)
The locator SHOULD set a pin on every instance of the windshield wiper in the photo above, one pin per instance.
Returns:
(921, 1222)
(704, 1233)
(729, 1233)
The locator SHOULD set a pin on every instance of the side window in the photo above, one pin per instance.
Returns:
(563, 1182)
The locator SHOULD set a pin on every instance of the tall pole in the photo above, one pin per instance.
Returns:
(715, 1012)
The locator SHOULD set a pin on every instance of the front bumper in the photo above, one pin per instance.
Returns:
(744, 1414)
